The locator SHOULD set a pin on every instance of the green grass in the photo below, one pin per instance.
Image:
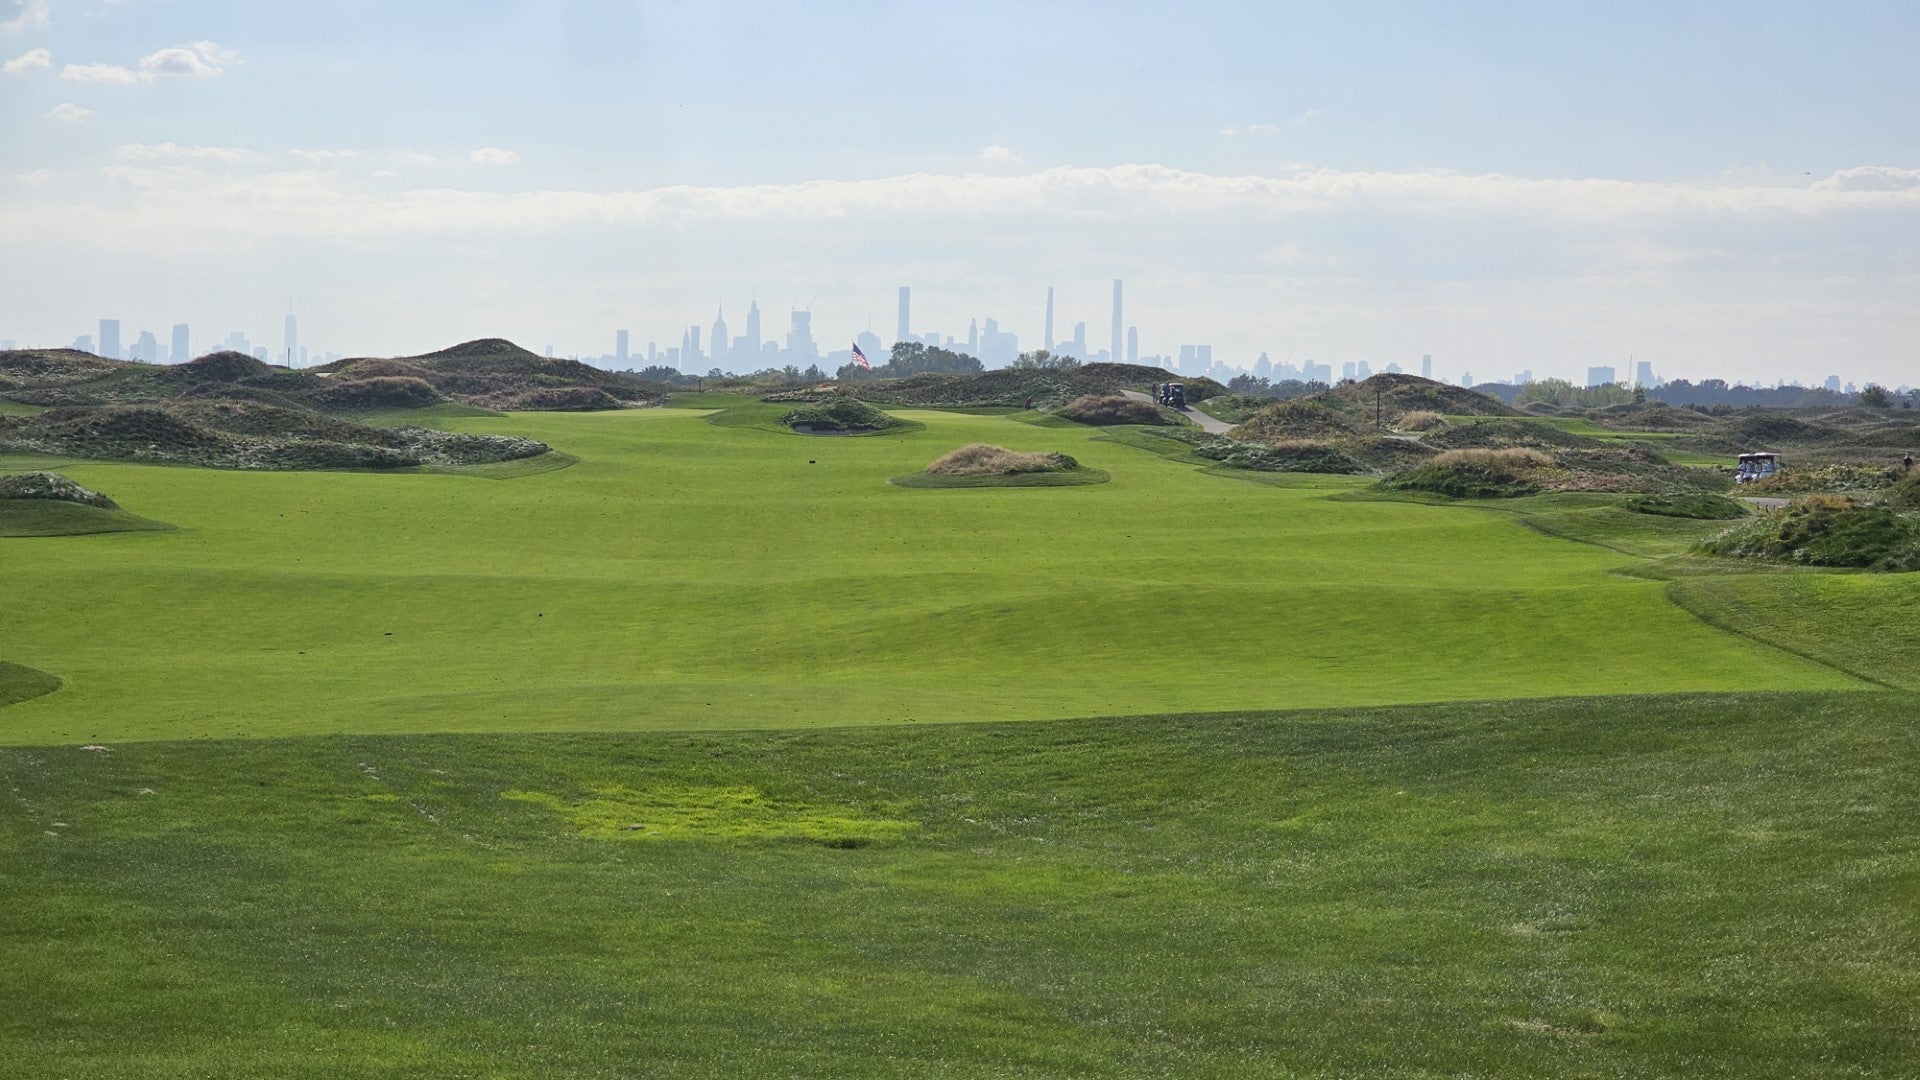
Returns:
(1059, 478)
(688, 575)
(770, 416)
(1708, 886)
(53, 517)
(23, 683)
(430, 416)
(19, 408)
(1865, 623)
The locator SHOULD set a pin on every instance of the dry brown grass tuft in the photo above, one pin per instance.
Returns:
(1513, 459)
(980, 459)
(1421, 420)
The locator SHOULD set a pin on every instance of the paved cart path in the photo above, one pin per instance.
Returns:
(1207, 423)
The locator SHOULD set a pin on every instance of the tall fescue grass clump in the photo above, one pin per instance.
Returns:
(1826, 530)
(1104, 409)
(1478, 473)
(1422, 420)
(981, 459)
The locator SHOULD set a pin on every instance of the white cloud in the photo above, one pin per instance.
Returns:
(203, 60)
(1249, 129)
(493, 155)
(99, 73)
(28, 61)
(998, 153)
(70, 113)
(1871, 178)
(168, 151)
(1307, 116)
(26, 13)
(323, 156)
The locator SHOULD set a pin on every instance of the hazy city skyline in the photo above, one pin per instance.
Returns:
(1550, 190)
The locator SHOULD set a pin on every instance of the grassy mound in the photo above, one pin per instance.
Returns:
(48, 485)
(1305, 418)
(1905, 493)
(1286, 455)
(52, 517)
(1399, 394)
(379, 392)
(561, 399)
(1013, 387)
(1701, 506)
(226, 366)
(19, 683)
(1479, 474)
(1420, 420)
(980, 459)
(246, 435)
(1105, 409)
(1498, 433)
(52, 367)
(839, 414)
(1824, 530)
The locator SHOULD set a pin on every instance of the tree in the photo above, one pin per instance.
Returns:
(1042, 360)
(919, 358)
(1874, 396)
(813, 374)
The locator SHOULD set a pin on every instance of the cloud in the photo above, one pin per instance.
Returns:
(1306, 117)
(202, 60)
(323, 156)
(168, 151)
(998, 153)
(70, 113)
(25, 13)
(1249, 129)
(1870, 178)
(493, 155)
(28, 61)
(99, 73)
(416, 157)
(34, 178)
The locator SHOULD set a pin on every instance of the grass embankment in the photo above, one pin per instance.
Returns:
(1704, 887)
(980, 465)
(19, 683)
(688, 575)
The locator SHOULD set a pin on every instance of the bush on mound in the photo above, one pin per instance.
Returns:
(1287, 455)
(1826, 530)
(980, 459)
(48, 485)
(226, 366)
(1700, 506)
(1421, 420)
(562, 399)
(380, 392)
(1104, 409)
(1479, 474)
(840, 413)
(1905, 494)
(1302, 419)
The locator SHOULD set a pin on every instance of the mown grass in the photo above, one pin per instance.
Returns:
(688, 575)
(53, 517)
(1704, 886)
(1865, 623)
(19, 683)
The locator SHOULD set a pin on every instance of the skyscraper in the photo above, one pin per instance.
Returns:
(1426, 366)
(693, 355)
(110, 339)
(800, 344)
(905, 330)
(1599, 376)
(1643, 375)
(181, 345)
(719, 339)
(292, 344)
(753, 325)
(620, 347)
(973, 337)
(1049, 345)
(1114, 354)
(1133, 344)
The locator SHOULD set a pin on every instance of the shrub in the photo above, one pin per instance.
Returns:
(1825, 530)
(1421, 420)
(839, 413)
(380, 392)
(48, 485)
(1287, 455)
(1111, 409)
(1478, 474)
(980, 459)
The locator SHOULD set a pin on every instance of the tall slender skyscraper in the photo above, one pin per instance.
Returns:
(719, 340)
(1426, 366)
(1049, 318)
(905, 330)
(181, 345)
(753, 325)
(1114, 353)
(110, 339)
(292, 344)
(620, 347)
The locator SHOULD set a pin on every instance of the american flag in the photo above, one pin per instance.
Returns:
(860, 357)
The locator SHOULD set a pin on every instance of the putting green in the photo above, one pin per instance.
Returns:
(690, 575)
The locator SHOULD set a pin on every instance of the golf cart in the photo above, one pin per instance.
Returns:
(1756, 467)
(1172, 394)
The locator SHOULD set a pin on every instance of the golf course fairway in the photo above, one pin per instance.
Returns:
(689, 575)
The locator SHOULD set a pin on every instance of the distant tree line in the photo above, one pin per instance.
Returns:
(1710, 393)
(1284, 390)
(914, 358)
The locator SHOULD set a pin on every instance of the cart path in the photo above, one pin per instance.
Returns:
(1207, 423)
(1764, 504)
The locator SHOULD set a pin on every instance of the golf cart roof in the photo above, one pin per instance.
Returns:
(1759, 456)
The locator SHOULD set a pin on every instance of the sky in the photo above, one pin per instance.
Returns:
(1726, 189)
